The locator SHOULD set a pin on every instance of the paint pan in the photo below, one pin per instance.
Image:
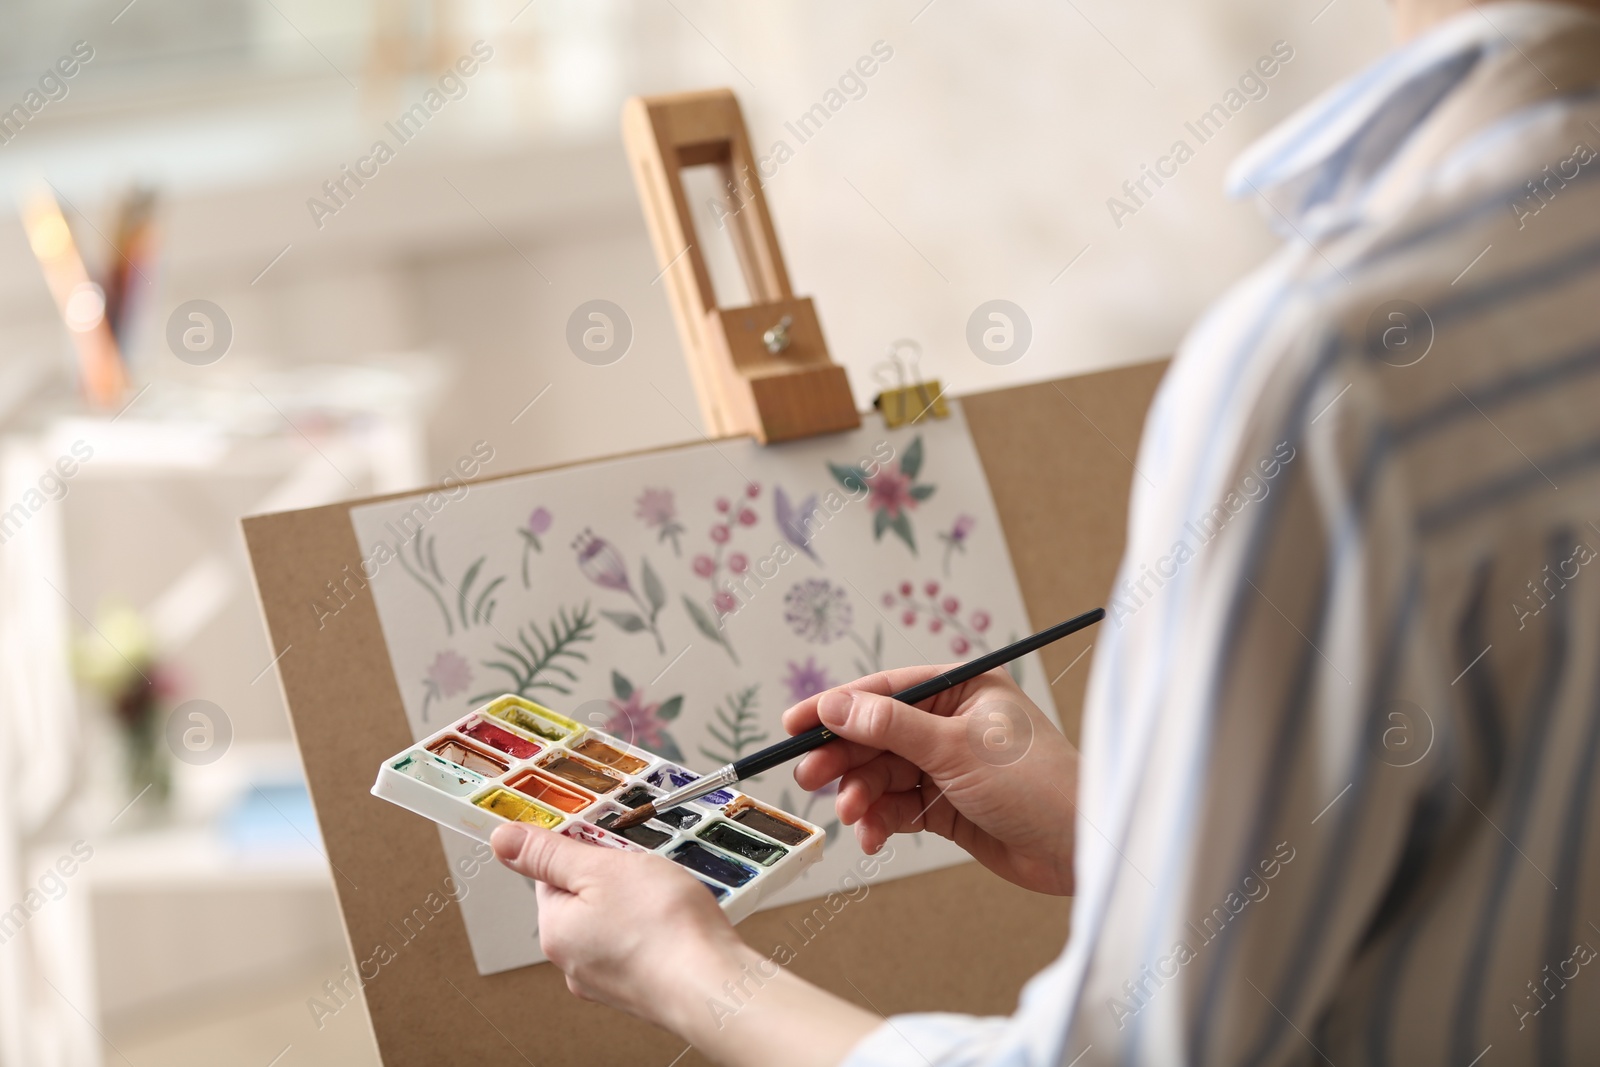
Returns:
(509, 805)
(645, 835)
(714, 865)
(558, 795)
(636, 796)
(670, 776)
(639, 795)
(485, 732)
(592, 835)
(763, 820)
(601, 752)
(730, 838)
(531, 718)
(580, 772)
(447, 777)
(460, 753)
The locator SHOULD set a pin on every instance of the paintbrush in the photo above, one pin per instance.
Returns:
(800, 744)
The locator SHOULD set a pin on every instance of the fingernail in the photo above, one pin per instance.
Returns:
(507, 840)
(833, 708)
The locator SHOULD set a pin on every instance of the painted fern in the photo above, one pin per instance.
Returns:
(736, 728)
(545, 661)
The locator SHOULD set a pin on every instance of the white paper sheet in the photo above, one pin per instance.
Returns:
(612, 577)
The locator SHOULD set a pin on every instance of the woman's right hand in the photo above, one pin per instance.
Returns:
(982, 766)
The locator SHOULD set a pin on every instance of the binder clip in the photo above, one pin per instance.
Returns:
(909, 399)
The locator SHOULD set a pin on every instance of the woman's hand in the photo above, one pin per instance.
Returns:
(982, 766)
(637, 932)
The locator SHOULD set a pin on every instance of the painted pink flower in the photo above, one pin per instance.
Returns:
(738, 563)
(890, 491)
(449, 674)
(704, 566)
(655, 507)
(601, 563)
(635, 721)
(980, 621)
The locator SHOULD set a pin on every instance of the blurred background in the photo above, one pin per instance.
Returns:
(202, 316)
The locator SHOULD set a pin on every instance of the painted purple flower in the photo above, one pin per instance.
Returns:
(798, 524)
(806, 680)
(539, 521)
(449, 674)
(956, 539)
(817, 610)
(601, 563)
(659, 512)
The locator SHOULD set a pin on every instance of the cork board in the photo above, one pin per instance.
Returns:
(1058, 459)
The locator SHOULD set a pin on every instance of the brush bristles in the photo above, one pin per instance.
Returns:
(634, 817)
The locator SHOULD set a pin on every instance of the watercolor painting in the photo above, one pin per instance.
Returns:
(682, 600)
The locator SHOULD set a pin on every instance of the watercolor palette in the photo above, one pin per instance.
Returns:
(516, 760)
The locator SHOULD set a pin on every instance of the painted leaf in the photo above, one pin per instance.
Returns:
(702, 621)
(853, 479)
(921, 492)
(880, 523)
(670, 708)
(911, 462)
(621, 686)
(653, 590)
(901, 525)
(627, 621)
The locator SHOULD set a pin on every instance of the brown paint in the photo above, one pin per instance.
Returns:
(579, 771)
(752, 816)
(601, 752)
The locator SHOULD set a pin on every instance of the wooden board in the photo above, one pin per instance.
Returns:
(1058, 457)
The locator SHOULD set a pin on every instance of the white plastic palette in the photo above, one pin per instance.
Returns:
(516, 760)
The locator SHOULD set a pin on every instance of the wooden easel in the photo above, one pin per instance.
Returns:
(1056, 479)
(761, 370)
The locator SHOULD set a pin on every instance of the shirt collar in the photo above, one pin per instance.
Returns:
(1314, 169)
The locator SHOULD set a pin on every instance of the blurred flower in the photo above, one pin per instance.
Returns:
(797, 524)
(537, 526)
(539, 521)
(601, 563)
(806, 680)
(660, 513)
(956, 539)
(636, 721)
(890, 491)
(449, 674)
(817, 610)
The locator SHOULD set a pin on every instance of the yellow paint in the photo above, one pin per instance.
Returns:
(531, 718)
(518, 809)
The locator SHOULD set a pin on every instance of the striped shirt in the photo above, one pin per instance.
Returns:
(1340, 795)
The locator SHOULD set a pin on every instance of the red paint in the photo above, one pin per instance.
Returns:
(504, 740)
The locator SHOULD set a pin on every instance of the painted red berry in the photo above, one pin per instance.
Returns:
(951, 605)
(909, 617)
(752, 490)
(704, 566)
(905, 588)
(738, 563)
(935, 624)
(719, 534)
(959, 645)
(980, 621)
(723, 504)
(932, 589)
(747, 517)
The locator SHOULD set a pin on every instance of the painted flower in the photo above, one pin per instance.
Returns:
(955, 540)
(806, 680)
(449, 674)
(639, 722)
(890, 491)
(817, 610)
(537, 526)
(658, 511)
(798, 525)
(601, 563)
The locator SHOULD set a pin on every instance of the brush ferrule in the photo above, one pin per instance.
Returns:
(698, 788)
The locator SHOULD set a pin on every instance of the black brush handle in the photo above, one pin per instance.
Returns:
(817, 736)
